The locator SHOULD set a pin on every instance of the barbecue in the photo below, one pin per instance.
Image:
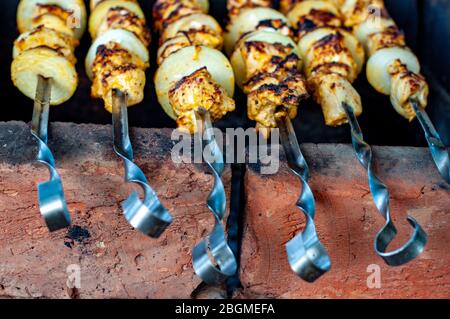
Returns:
(267, 65)
(394, 70)
(195, 85)
(257, 71)
(116, 64)
(43, 69)
(333, 60)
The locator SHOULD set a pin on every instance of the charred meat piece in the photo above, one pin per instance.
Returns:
(117, 68)
(122, 18)
(198, 90)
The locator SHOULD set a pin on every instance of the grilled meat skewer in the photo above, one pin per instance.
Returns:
(46, 46)
(195, 85)
(393, 69)
(193, 73)
(266, 62)
(333, 59)
(267, 65)
(116, 63)
(118, 56)
(43, 69)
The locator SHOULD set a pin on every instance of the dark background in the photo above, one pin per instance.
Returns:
(426, 23)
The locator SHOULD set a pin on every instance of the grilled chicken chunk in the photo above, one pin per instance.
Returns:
(266, 62)
(332, 56)
(274, 86)
(116, 68)
(198, 90)
(193, 74)
(122, 18)
(201, 37)
(119, 56)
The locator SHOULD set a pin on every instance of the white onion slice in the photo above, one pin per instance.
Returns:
(238, 61)
(186, 61)
(350, 41)
(125, 38)
(348, 6)
(27, 8)
(46, 62)
(378, 67)
(356, 48)
(247, 21)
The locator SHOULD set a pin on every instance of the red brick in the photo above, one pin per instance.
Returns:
(347, 222)
(116, 261)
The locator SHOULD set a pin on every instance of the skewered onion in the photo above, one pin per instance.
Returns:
(126, 39)
(378, 72)
(248, 21)
(185, 62)
(237, 60)
(28, 65)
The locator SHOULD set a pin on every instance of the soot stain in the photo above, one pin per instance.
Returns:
(76, 234)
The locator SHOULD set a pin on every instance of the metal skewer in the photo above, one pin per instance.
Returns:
(52, 203)
(307, 257)
(416, 244)
(148, 216)
(213, 259)
(437, 148)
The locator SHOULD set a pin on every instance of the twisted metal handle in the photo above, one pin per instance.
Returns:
(416, 244)
(437, 148)
(148, 216)
(52, 202)
(307, 257)
(212, 258)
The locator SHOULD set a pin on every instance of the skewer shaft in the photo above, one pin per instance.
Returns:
(437, 148)
(148, 216)
(212, 258)
(416, 244)
(52, 203)
(307, 256)
(41, 110)
(122, 141)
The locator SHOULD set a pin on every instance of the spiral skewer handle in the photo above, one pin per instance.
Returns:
(52, 202)
(148, 216)
(213, 259)
(437, 148)
(416, 243)
(307, 257)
